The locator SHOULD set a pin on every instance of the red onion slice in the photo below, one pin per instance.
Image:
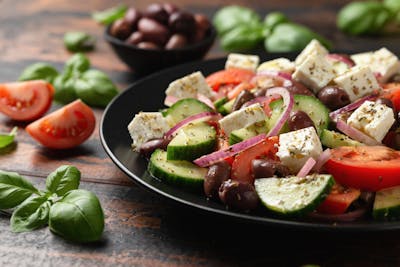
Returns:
(259, 99)
(307, 167)
(343, 58)
(288, 102)
(282, 78)
(170, 100)
(322, 159)
(220, 155)
(352, 106)
(275, 73)
(356, 134)
(205, 100)
(200, 116)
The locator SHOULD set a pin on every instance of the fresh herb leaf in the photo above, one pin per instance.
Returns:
(14, 189)
(76, 65)
(39, 71)
(63, 180)
(32, 214)
(79, 41)
(110, 15)
(7, 139)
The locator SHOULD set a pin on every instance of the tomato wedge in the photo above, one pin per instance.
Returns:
(368, 168)
(241, 166)
(339, 199)
(392, 92)
(228, 78)
(65, 128)
(25, 101)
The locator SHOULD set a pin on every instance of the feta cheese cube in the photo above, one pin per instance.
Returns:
(314, 47)
(357, 82)
(242, 118)
(315, 72)
(279, 64)
(383, 62)
(146, 126)
(296, 147)
(373, 119)
(189, 86)
(241, 61)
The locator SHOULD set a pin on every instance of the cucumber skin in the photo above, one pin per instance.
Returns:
(192, 152)
(387, 214)
(174, 111)
(220, 102)
(173, 179)
(226, 108)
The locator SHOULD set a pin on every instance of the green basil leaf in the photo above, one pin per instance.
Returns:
(63, 180)
(274, 18)
(39, 71)
(7, 139)
(76, 65)
(14, 189)
(242, 38)
(78, 216)
(32, 214)
(79, 41)
(65, 89)
(95, 88)
(110, 15)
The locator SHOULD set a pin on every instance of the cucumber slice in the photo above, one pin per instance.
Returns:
(177, 172)
(226, 108)
(220, 102)
(334, 139)
(184, 108)
(314, 108)
(240, 135)
(192, 141)
(387, 204)
(293, 196)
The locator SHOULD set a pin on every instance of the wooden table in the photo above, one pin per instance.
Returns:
(142, 229)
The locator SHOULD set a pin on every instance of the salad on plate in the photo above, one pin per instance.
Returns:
(317, 137)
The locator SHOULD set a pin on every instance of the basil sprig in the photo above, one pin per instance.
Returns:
(71, 213)
(8, 139)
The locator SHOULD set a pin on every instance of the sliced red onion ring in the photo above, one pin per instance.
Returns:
(352, 106)
(284, 78)
(322, 159)
(356, 134)
(275, 73)
(345, 217)
(220, 155)
(205, 100)
(307, 167)
(200, 116)
(170, 100)
(259, 99)
(288, 102)
(343, 58)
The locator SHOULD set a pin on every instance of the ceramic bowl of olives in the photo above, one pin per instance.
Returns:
(160, 36)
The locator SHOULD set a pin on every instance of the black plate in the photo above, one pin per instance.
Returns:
(148, 95)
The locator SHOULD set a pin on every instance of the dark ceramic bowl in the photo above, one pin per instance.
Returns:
(145, 61)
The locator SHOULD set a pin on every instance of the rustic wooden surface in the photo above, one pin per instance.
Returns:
(142, 229)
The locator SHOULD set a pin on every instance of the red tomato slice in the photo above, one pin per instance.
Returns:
(229, 77)
(392, 91)
(25, 101)
(368, 168)
(241, 166)
(66, 127)
(339, 199)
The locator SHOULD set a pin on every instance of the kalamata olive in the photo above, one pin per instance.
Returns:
(202, 25)
(216, 175)
(243, 97)
(333, 97)
(135, 38)
(177, 40)
(238, 195)
(260, 92)
(153, 31)
(170, 8)
(264, 168)
(132, 16)
(298, 88)
(120, 29)
(147, 148)
(182, 22)
(157, 12)
(148, 45)
(386, 102)
(299, 120)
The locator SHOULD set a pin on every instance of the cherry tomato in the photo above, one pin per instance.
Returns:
(241, 166)
(25, 101)
(392, 91)
(369, 168)
(228, 78)
(339, 199)
(65, 128)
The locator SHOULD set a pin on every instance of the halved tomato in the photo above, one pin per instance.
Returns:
(25, 101)
(368, 168)
(66, 127)
(339, 199)
(392, 92)
(228, 78)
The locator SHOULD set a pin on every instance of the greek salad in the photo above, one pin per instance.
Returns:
(317, 137)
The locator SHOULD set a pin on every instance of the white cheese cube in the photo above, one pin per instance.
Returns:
(313, 47)
(189, 86)
(383, 62)
(315, 72)
(296, 147)
(241, 61)
(373, 119)
(279, 64)
(242, 118)
(357, 82)
(146, 126)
